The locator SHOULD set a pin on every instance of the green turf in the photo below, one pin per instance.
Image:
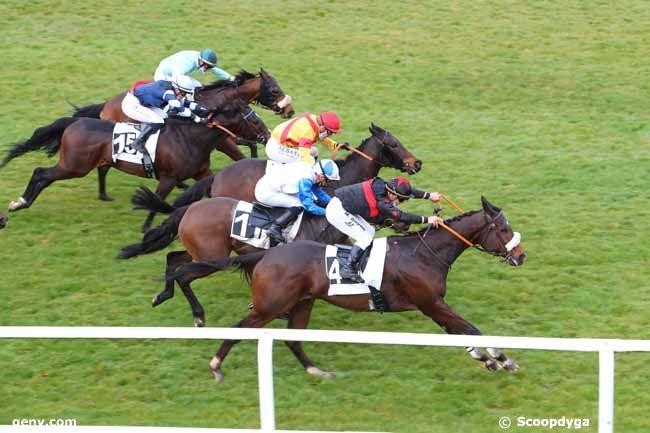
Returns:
(539, 105)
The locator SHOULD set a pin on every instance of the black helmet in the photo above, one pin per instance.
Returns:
(401, 187)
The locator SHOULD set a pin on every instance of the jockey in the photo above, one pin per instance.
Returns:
(187, 62)
(293, 186)
(149, 103)
(293, 140)
(373, 200)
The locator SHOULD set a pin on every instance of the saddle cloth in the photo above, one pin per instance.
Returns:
(251, 221)
(372, 265)
(123, 136)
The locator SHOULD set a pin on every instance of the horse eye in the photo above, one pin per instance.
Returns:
(275, 91)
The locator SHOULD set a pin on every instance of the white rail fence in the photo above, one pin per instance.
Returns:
(606, 349)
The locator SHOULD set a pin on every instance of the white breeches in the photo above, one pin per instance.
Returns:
(352, 225)
(269, 196)
(160, 75)
(131, 107)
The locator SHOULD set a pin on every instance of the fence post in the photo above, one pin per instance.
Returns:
(265, 381)
(605, 389)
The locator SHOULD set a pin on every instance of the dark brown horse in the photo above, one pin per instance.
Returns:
(183, 149)
(3, 220)
(204, 227)
(291, 277)
(262, 90)
(238, 180)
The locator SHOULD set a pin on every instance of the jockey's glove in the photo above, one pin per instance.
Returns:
(198, 109)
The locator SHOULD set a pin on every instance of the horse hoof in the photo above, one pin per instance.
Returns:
(315, 371)
(511, 366)
(492, 365)
(199, 323)
(218, 376)
(156, 301)
(105, 197)
(17, 204)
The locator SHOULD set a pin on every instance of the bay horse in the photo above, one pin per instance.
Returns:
(291, 277)
(204, 227)
(183, 150)
(262, 90)
(238, 180)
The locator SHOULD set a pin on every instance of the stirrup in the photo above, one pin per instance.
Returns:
(350, 274)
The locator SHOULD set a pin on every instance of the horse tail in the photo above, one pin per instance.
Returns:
(46, 137)
(157, 238)
(92, 111)
(245, 264)
(144, 198)
(194, 193)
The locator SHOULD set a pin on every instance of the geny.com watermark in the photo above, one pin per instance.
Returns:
(45, 422)
(550, 423)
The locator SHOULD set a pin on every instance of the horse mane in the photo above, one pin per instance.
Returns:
(341, 162)
(241, 76)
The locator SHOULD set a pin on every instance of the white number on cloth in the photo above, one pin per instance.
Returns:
(242, 219)
(333, 271)
(123, 141)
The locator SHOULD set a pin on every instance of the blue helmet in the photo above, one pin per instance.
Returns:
(327, 168)
(208, 56)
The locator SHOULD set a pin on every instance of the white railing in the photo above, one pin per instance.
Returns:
(605, 347)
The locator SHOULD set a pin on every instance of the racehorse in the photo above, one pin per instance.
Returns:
(238, 180)
(291, 277)
(262, 90)
(183, 149)
(3, 220)
(204, 227)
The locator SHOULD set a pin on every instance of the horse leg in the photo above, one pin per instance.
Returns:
(41, 179)
(298, 319)
(252, 320)
(101, 177)
(229, 147)
(165, 186)
(174, 260)
(197, 309)
(453, 323)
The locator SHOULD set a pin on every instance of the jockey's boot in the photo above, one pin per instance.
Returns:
(139, 145)
(285, 218)
(349, 269)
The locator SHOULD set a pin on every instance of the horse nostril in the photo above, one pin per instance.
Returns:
(418, 164)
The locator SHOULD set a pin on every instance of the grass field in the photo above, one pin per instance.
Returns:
(539, 105)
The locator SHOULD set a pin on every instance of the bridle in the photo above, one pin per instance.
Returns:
(381, 162)
(266, 99)
(490, 224)
(247, 119)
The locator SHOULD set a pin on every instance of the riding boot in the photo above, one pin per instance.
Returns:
(281, 222)
(349, 269)
(139, 145)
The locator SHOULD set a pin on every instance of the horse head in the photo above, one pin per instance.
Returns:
(3, 220)
(497, 238)
(273, 97)
(240, 119)
(390, 152)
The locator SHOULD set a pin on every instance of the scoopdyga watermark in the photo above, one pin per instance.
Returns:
(549, 423)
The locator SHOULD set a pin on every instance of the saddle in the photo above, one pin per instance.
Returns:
(251, 220)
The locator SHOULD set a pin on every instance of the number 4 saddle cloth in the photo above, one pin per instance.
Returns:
(123, 136)
(371, 266)
(251, 222)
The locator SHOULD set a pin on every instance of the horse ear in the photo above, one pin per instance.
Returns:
(263, 73)
(373, 128)
(488, 207)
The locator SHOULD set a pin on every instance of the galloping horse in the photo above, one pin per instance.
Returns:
(238, 180)
(183, 149)
(204, 227)
(291, 277)
(262, 90)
